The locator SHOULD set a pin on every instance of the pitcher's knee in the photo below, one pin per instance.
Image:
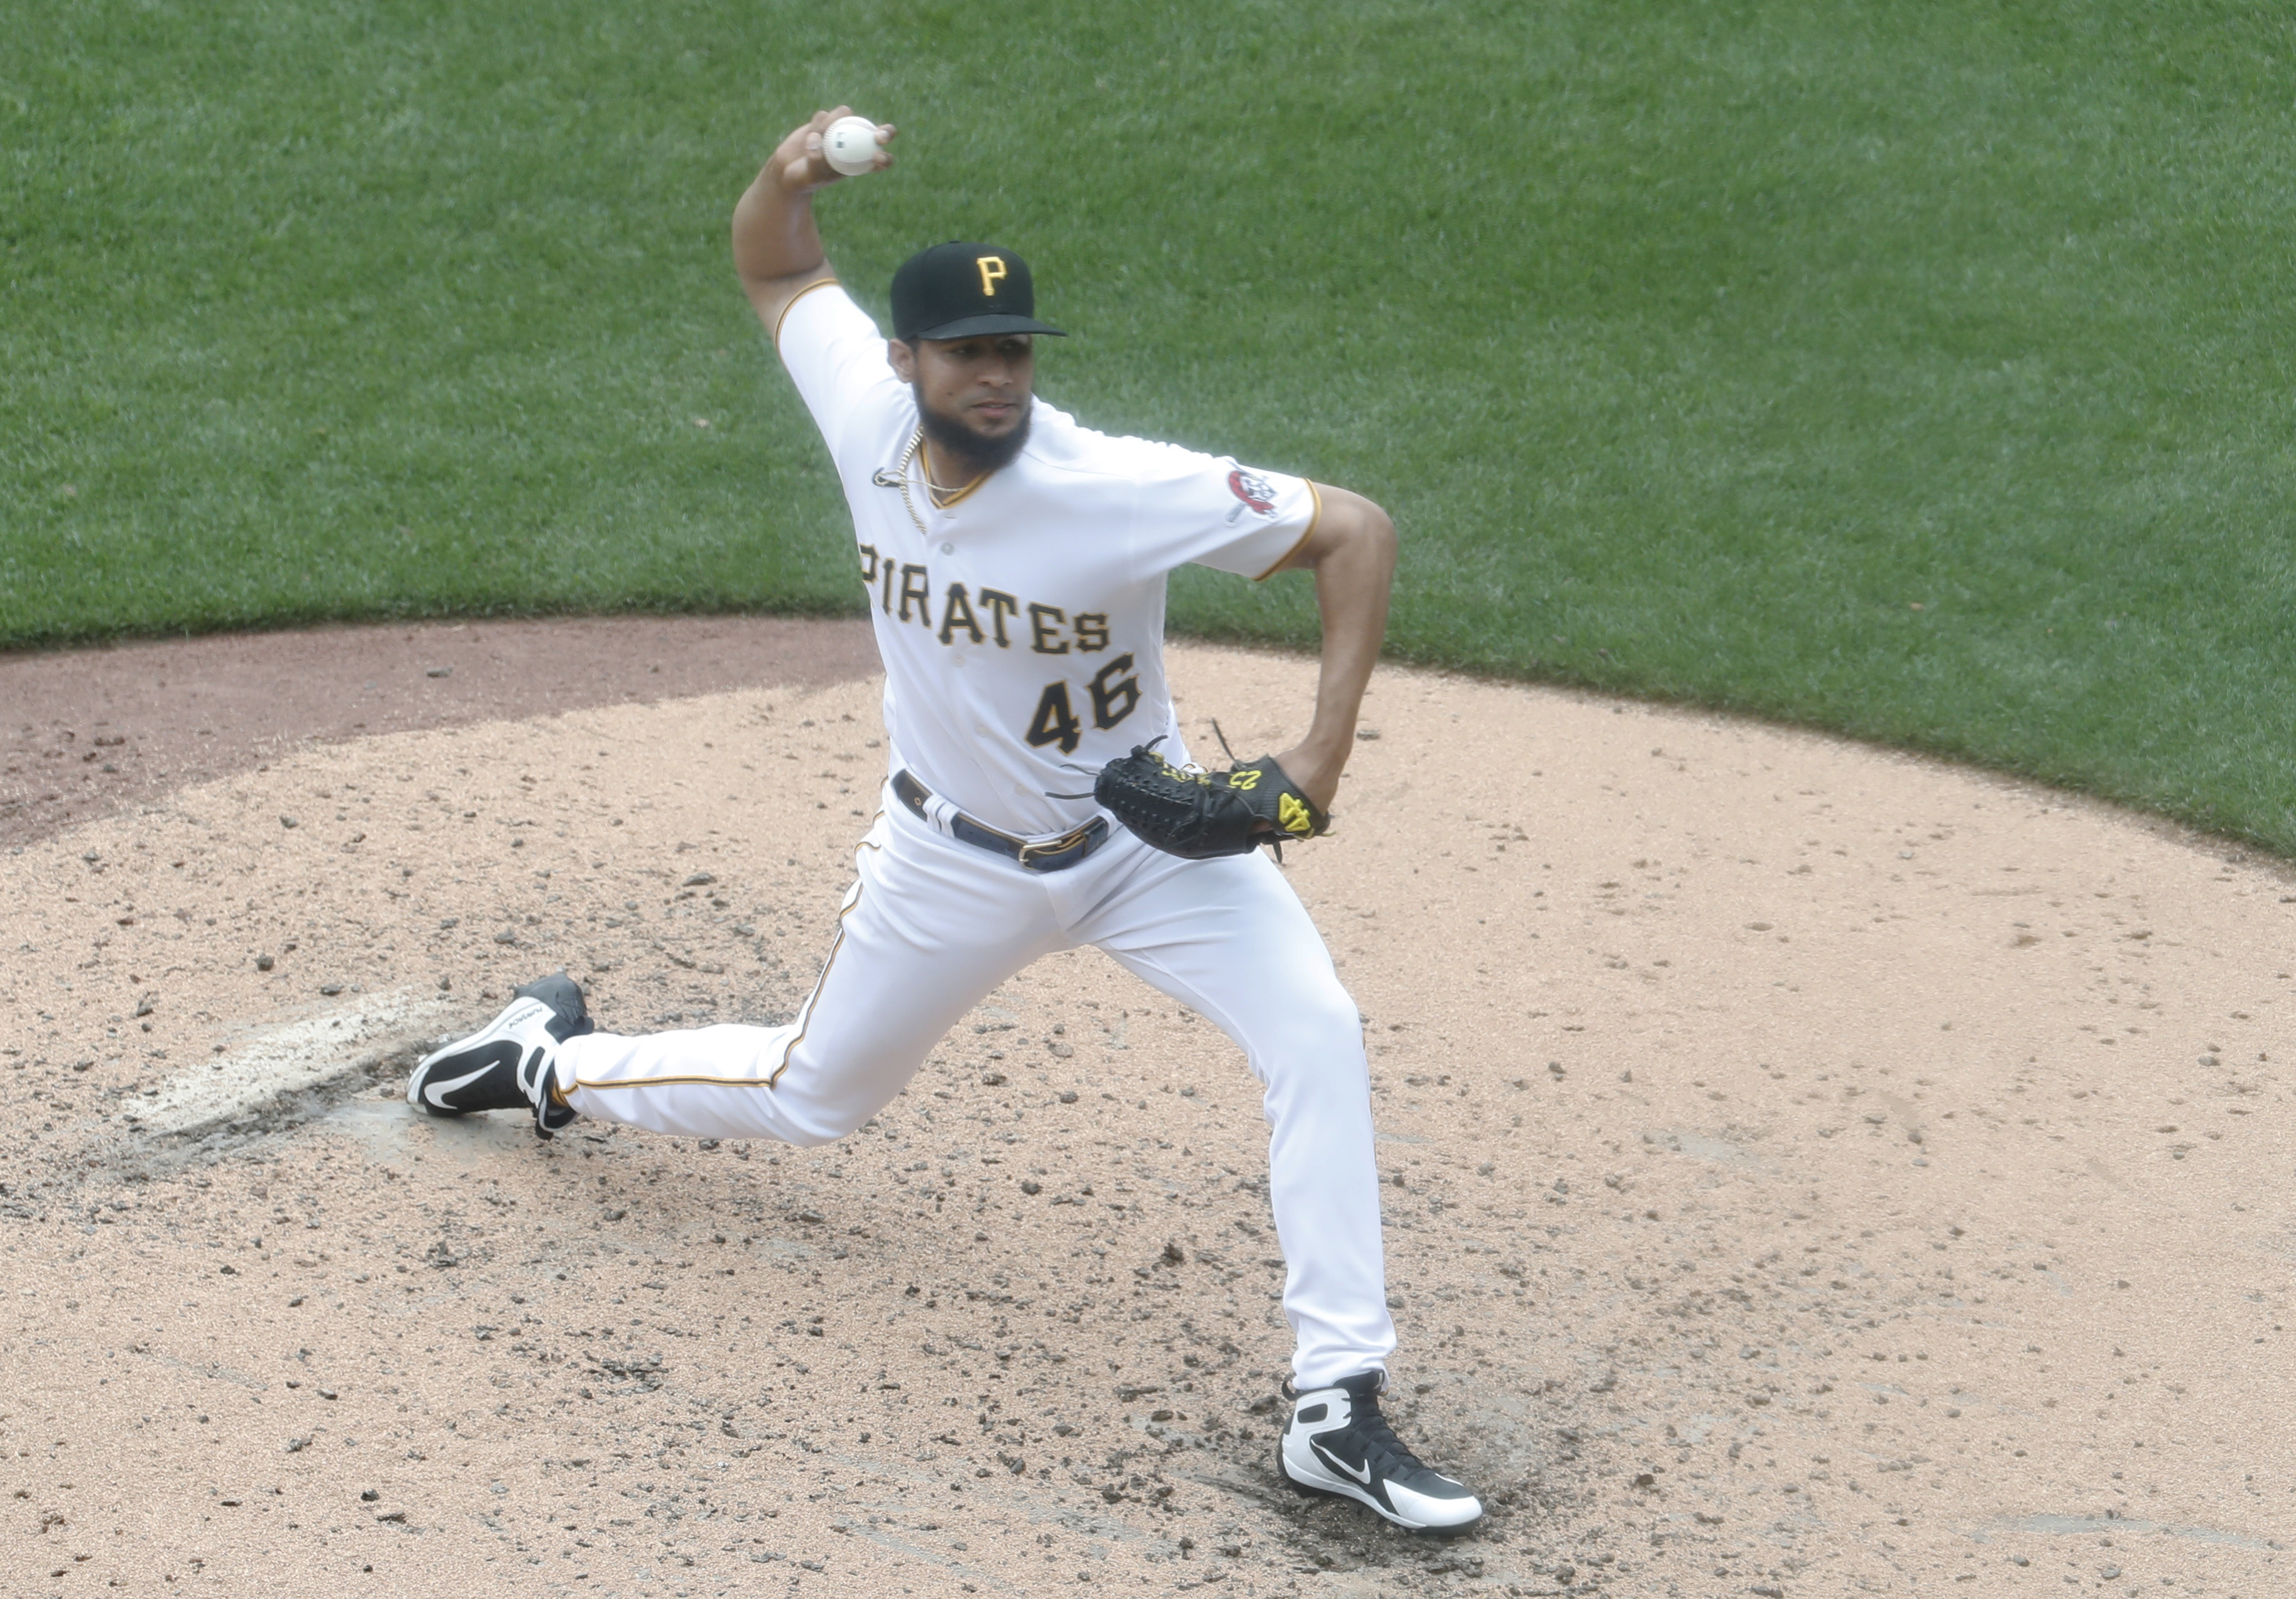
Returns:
(809, 1125)
(1332, 1015)
(1323, 1028)
(820, 1104)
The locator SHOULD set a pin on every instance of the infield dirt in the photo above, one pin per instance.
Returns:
(1809, 1171)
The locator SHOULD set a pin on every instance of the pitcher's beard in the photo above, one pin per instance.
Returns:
(962, 448)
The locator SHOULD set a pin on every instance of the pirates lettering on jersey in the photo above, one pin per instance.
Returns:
(903, 591)
(1114, 691)
(915, 580)
(956, 612)
(1002, 608)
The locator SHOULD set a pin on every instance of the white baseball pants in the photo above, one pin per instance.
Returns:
(933, 925)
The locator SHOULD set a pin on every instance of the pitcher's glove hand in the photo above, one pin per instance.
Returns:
(1202, 815)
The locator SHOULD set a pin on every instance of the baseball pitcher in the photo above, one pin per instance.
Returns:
(1039, 794)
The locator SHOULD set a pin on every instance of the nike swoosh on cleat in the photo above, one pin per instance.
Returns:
(490, 1056)
(437, 1092)
(1362, 1473)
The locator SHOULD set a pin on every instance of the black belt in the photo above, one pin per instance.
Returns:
(1057, 854)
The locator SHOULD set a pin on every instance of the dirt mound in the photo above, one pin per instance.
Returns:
(1811, 1171)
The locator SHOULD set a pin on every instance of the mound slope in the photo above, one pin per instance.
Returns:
(1810, 1170)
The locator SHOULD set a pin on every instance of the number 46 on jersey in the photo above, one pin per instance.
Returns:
(1115, 694)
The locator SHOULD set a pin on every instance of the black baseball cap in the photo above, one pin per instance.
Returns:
(957, 290)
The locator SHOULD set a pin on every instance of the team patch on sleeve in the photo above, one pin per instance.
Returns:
(1254, 490)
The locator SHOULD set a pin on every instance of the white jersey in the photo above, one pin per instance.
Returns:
(1022, 626)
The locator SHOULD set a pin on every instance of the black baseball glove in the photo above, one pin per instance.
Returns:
(1202, 814)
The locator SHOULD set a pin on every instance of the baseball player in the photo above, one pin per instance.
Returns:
(1015, 563)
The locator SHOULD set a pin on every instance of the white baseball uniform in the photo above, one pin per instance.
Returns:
(1021, 628)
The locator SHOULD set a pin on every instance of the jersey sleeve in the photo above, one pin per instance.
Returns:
(1215, 512)
(835, 356)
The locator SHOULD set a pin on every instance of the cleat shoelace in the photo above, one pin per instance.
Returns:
(1383, 1452)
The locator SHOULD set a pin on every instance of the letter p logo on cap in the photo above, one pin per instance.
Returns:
(965, 289)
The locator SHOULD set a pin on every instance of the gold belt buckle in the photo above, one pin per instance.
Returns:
(1065, 842)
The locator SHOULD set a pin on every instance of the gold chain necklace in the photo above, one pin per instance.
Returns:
(909, 459)
(909, 456)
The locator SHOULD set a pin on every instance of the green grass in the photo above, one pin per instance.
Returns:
(1692, 346)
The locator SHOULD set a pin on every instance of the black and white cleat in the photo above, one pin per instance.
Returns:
(1337, 1442)
(506, 1064)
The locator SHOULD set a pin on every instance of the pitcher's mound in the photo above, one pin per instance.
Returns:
(1807, 1171)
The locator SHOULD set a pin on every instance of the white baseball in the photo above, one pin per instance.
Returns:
(850, 145)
